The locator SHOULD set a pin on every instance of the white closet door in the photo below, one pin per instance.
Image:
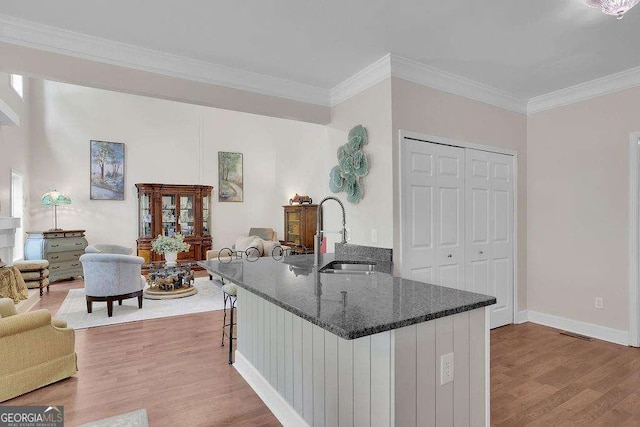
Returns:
(502, 239)
(489, 230)
(433, 213)
(418, 191)
(450, 216)
(457, 212)
(478, 224)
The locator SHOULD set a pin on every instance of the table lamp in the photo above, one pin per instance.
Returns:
(55, 198)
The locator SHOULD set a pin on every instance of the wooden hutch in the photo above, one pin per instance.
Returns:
(168, 209)
(300, 225)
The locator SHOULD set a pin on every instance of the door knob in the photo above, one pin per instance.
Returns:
(449, 256)
(481, 252)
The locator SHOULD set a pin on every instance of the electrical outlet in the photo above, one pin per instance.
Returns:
(446, 368)
(374, 235)
(599, 303)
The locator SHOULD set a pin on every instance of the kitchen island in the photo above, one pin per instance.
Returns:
(342, 348)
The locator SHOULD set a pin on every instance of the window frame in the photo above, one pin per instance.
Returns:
(12, 83)
(19, 236)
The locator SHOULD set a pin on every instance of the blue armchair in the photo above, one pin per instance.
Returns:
(112, 277)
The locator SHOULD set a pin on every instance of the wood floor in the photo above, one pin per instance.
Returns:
(539, 377)
(176, 370)
(172, 367)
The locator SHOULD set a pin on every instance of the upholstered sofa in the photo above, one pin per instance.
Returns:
(35, 350)
(263, 239)
(112, 277)
(108, 249)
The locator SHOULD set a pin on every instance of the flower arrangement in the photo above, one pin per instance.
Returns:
(163, 244)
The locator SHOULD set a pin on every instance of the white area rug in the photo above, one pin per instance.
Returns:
(130, 419)
(74, 307)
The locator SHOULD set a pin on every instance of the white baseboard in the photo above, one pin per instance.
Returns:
(604, 333)
(276, 403)
(522, 317)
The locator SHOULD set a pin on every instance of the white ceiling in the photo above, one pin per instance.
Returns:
(527, 48)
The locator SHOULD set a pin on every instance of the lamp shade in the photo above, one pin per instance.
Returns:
(55, 198)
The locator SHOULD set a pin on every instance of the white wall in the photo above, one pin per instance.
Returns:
(422, 109)
(167, 142)
(14, 143)
(578, 208)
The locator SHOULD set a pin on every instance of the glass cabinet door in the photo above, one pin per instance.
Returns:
(144, 202)
(205, 216)
(293, 227)
(185, 217)
(169, 215)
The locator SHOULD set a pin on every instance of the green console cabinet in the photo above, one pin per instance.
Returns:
(62, 248)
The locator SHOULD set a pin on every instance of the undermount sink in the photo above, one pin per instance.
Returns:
(338, 267)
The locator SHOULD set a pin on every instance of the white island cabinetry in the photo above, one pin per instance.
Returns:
(309, 375)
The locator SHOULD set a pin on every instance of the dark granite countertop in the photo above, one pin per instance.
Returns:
(349, 305)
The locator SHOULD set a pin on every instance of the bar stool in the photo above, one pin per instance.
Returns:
(230, 293)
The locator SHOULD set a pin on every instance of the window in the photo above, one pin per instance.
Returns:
(16, 84)
(17, 210)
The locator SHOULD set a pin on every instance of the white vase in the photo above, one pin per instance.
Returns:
(171, 258)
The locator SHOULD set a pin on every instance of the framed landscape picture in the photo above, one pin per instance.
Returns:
(230, 185)
(107, 170)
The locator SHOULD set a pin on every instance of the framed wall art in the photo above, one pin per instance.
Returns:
(230, 179)
(107, 170)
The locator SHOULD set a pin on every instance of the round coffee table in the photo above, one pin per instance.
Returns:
(170, 282)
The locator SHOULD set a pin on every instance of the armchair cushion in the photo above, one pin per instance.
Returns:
(244, 243)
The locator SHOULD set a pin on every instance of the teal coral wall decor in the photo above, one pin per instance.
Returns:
(352, 165)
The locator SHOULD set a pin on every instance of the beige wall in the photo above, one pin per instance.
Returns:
(422, 109)
(68, 69)
(372, 109)
(14, 144)
(167, 142)
(578, 208)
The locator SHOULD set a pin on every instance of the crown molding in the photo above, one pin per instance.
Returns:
(587, 90)
(362, 80)
(56, 40)
(425, 75)
(43, 37)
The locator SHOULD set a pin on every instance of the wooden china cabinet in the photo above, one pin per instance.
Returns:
(168, 209)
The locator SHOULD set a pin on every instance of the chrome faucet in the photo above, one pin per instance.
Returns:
(317, 242)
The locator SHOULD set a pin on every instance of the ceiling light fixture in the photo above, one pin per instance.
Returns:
(615, 8)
